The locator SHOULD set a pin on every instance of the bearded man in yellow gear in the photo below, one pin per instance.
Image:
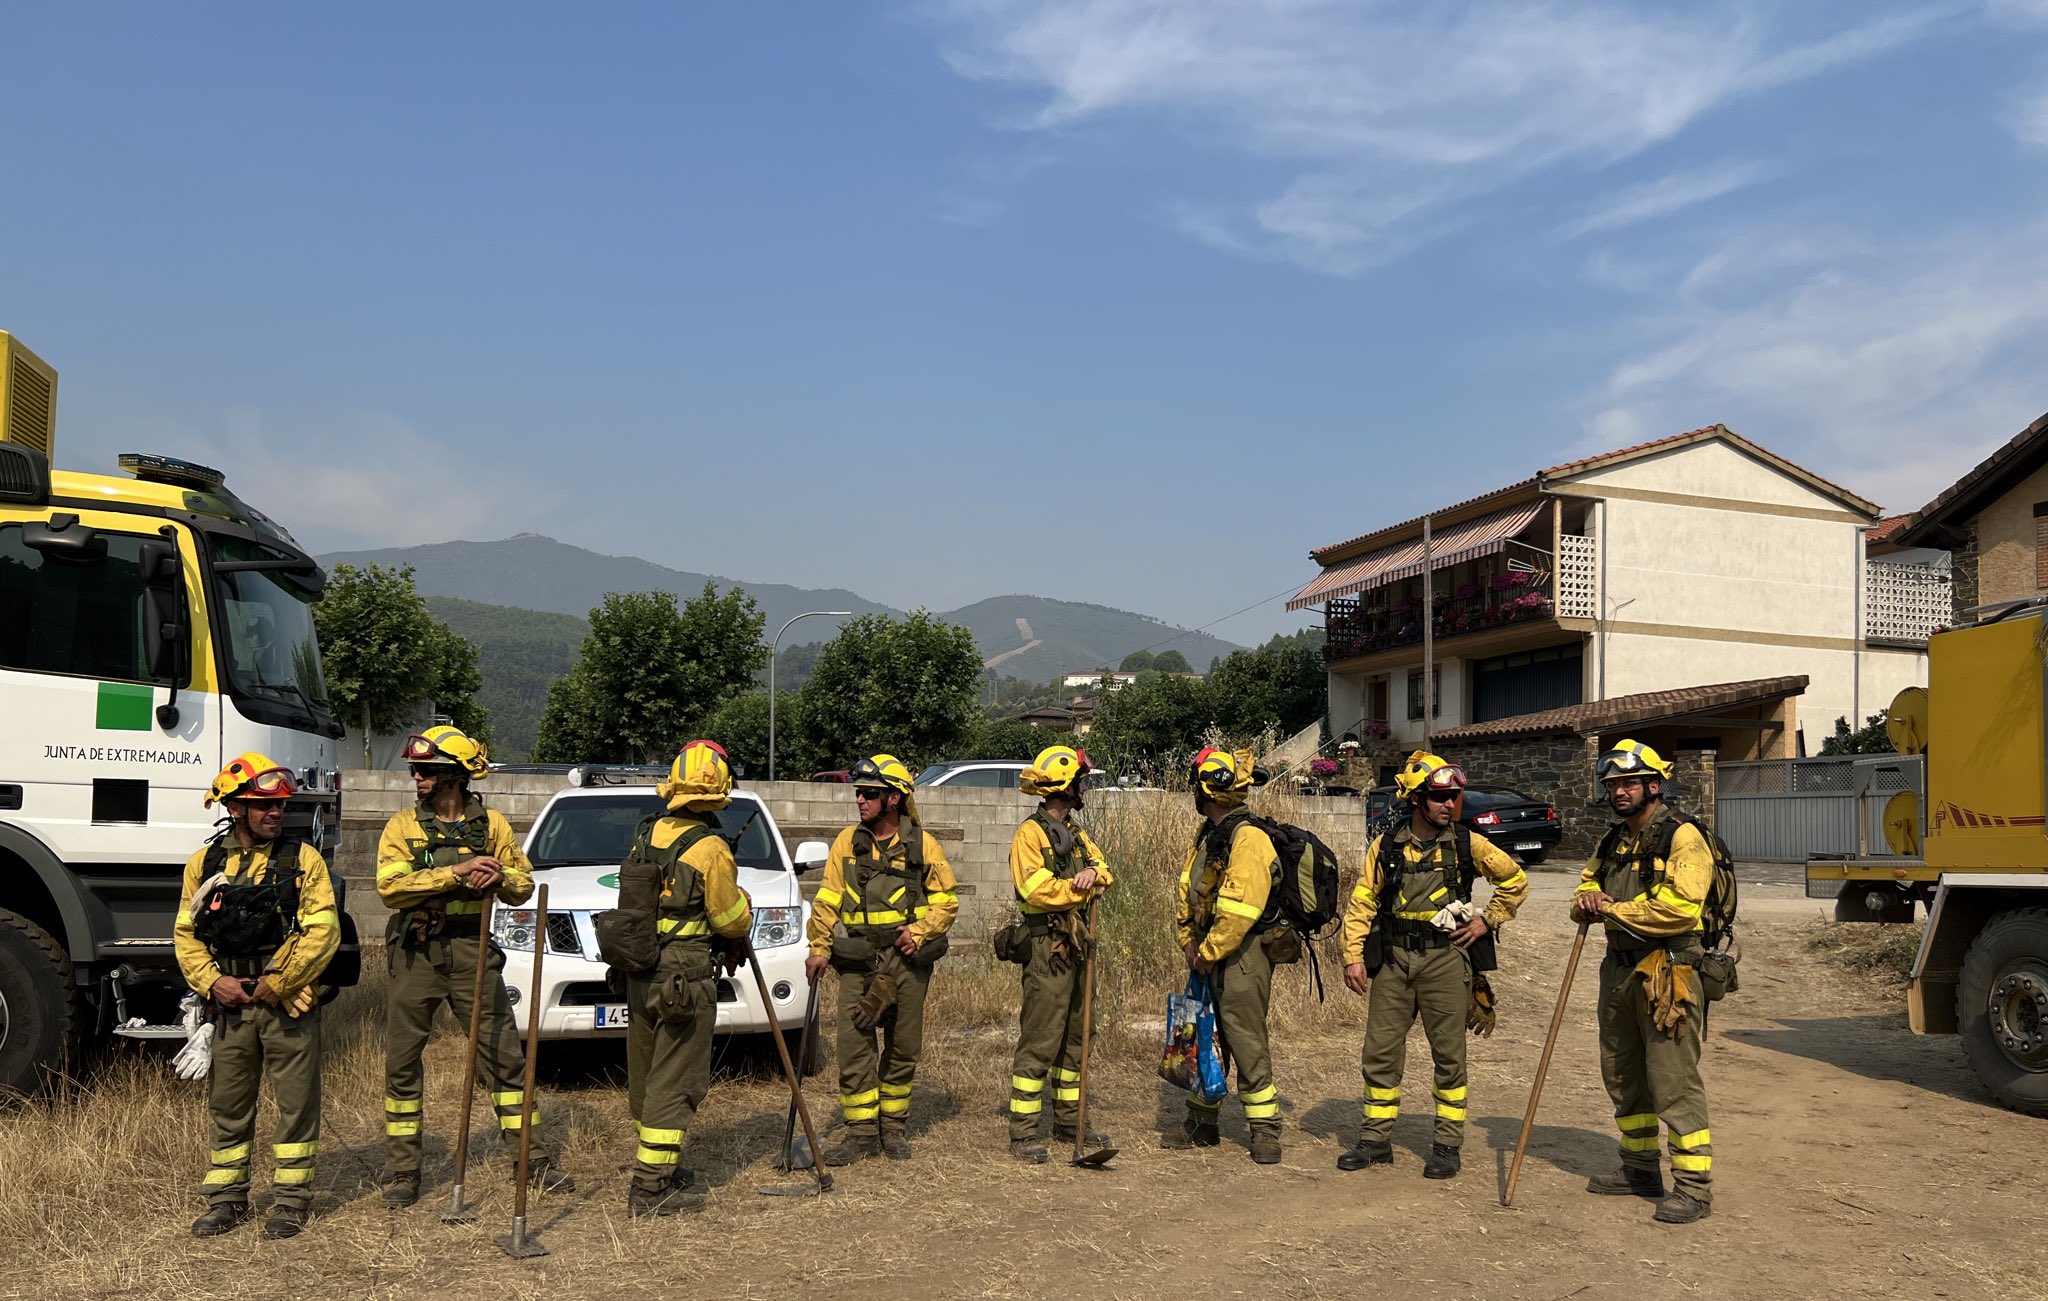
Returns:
(880, 920)
(435, 863)
(1222, 895)
(1058, 872)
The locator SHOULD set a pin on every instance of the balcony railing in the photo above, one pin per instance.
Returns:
(1364, 625)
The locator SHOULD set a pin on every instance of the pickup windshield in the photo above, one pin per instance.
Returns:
(588, 829)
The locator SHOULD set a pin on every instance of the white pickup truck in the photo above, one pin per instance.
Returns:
(577, 844)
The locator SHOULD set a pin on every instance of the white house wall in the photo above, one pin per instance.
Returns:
(1681, 566)
(1712, 469)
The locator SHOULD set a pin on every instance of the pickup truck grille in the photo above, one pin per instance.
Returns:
(563, 937)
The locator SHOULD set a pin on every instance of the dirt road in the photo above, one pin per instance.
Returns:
(1851, 1160)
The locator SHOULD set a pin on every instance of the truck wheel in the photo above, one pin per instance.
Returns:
(2002, 1008)
(38, 1006)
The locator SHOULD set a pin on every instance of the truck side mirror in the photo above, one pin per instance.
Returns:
(164, 629)
(62, 537)
(810, 855)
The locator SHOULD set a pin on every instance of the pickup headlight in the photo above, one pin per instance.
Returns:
(775, 927)
(512, 929)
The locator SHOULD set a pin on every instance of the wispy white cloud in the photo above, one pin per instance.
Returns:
(2028, 118)
(1391, 113)
(1890, 373)
(1668, 194)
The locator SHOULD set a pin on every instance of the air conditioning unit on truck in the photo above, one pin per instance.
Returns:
(152, 627)
(1982, 870)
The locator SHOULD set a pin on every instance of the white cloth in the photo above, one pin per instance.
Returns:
(1453, 915)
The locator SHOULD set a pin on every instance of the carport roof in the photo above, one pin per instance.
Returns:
(1646, 709)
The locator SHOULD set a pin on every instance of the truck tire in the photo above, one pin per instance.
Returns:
(39, 1021)
(2002, 1008)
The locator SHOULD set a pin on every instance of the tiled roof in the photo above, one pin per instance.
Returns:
(1331, 554)
(1963, 498)
(1644, 709)
(1883, 530)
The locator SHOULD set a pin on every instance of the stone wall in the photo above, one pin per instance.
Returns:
(1964, 564)
(973, 826)
(1557, 769)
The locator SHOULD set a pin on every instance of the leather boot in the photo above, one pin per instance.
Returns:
(284, 1221)
(1192, 1133)
(1266, 1146)
(1628, 1181)
(1094, 1140)
(677, 1194)
(895, 1145)
(221, 1217)
(1029, 1150)
(1367, 1153)
(1681, 1207)
(401, 1191)
(544, 1177)
(1443, 1162)
(852, 1148)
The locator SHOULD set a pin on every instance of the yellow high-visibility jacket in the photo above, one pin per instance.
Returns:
(1426, 884)
(403, 881)
(1040, 887)
(835, 895)
(1671, 906)
(727, 910)
(297, 962)
(1220, 902)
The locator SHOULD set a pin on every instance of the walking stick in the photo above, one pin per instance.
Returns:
(517, 1243)
(1082, 1157)
(1564, 994)
(796, 1096)
(457, 1212)
(803, 1057)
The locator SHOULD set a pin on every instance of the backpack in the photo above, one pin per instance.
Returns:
(345, 968)
(1305, 884)
(1717, 914)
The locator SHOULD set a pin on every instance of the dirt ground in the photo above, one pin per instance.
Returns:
(1851, 1159)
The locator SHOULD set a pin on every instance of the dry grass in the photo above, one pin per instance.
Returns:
(1882, 952)
(100, 1182)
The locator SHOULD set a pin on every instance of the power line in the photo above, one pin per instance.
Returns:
(1189, 632)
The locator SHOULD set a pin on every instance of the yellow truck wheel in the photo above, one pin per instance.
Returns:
(2002, 1008)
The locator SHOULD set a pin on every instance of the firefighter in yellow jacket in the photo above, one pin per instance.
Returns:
(675, 1006)
(253, 935)
(1413, 942)
(1222, 895)
(1650, 897)
(880, 920)
(1057, 872)
(435, 863)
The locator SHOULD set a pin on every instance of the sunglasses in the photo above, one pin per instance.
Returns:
(869, 793)
(432, 769)
(1441, 797)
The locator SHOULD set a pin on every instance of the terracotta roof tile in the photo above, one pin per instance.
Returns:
(1882, 531)
(1991, 476)
(1646, 708)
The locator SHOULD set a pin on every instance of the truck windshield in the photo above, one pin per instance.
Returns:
(269, 648)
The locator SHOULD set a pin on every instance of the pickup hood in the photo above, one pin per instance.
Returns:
(595, 887)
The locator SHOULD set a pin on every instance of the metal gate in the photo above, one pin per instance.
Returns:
(1790, 810)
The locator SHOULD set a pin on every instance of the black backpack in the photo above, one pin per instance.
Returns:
(345, 968)
(1305, 882)
(1717, 915)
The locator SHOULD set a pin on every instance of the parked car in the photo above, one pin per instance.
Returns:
(577, 844)
(973, 772)
(831, 775)
(1520, 824)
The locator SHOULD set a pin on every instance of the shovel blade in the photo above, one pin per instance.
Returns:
(799, 1155)
(520, 1248)
(791, 1190)
(1097, 1159)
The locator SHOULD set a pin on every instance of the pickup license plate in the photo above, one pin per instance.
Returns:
(608, 1016)
(1524, 846)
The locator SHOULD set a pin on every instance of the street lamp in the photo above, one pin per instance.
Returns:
(772, 646)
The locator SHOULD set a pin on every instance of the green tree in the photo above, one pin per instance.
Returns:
(1171, 661)
(1152, 724)
(740, 724)
(1282, 685)
(648, 675)
(905, 686)
(1871, 738)
(1136, 662)
(1010, 739)
(382, 648)
(458, 683)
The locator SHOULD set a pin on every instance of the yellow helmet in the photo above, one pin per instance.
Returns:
(1057, 770)
(1632, 759)
(889, 773)
(1425, 771)
(700, 779)
(449, 745)
(1224, 775)
(251, 776)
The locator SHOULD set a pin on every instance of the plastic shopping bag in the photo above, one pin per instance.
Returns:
(1193, 1058)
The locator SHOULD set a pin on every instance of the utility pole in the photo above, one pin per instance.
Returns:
(1428, 639)
(772, 648)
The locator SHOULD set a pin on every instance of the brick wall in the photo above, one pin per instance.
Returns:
(1964, 563)
(973, 825)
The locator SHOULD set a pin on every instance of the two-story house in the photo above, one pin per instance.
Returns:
(1994, 521)
(1694, 561)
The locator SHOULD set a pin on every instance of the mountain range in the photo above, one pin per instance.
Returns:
(523, 601)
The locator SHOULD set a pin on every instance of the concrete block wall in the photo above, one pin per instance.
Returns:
(972, 824)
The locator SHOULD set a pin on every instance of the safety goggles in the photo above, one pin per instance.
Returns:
(870, 793)
(271, 784)
(440, 768)
(418, 749)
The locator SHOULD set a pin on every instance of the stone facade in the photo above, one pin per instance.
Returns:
(1553, 768)
(1963, 570)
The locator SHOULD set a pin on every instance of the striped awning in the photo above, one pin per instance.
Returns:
(1468, 541)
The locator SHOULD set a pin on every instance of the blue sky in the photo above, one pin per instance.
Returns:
(1111, 301)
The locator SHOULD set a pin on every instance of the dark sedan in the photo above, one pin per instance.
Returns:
(1523, 825)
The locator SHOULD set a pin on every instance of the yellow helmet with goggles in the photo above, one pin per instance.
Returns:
(1425, 773)
(449, 745)
(251, 776)
(1632, 759)
(699, 780)
(1058, 770)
